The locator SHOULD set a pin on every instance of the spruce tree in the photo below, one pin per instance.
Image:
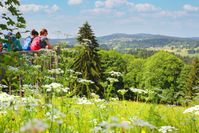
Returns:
(88, 62)
(86, 33)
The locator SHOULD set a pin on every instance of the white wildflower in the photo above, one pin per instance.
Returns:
(138, 122)
(34, 125)
(6, 100)
(194, 110)
(11, 68)
(94, 121)
(70, 71)
(122, 91)
(85, 81)
(98, 100)
(25, 86)
(3, 112)
(3, 86)
(78, 73)
(125, 124)
(115, 74)
(53, 85)
(112, 80)
(95, 96)
(97, 129)
(36, 66)
(83, 100)
(50, 78)
(55, 115)
(65, 90)
(165, 129)
(49, 90)
(114, 99)
(140, 91)
(56, 71)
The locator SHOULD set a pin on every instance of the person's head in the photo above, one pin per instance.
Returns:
(1, 47)
(34, 33)
(43, 32)
(18, 35)
(8, 36)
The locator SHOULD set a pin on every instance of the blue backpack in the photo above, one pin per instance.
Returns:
(27, 42)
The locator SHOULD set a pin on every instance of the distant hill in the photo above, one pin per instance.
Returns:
(122, 41)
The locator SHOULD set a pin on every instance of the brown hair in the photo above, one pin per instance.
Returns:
(43, 31)
(34, 33)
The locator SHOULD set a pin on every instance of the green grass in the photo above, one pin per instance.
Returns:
(84, 117)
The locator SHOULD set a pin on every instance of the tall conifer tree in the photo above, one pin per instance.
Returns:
(88, 63)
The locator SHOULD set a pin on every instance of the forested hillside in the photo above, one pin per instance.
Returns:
(121, 42)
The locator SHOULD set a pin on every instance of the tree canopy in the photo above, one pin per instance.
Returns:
(11, 17)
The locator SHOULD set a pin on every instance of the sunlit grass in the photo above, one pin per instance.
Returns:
(85, 117)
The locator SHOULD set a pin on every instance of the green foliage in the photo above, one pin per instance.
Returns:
(162, 71)
(133, 76)
(112, 61)
(85, 32)
(12, 17)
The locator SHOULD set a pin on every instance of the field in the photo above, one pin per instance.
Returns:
(40, 99)
(37, 113)
(178, 51)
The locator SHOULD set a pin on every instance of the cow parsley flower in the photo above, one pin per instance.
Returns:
(70, 71)
(112, 80)
(36, 66)
(34, 125)
(165, 129)
(115, 74)
(83, 100)
(122, 91)
(138, 122)
(65, 90)
(55, 115)
(85, 81)
(6, 100)
(3, 86)
(14, 69)
(56, 71)
(194, 110)
(140, 91)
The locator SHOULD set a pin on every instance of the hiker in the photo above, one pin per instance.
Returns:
(1, 47)
(16, 42)
(28, 40)
(44, 40)
(41, 41)
(13, 43)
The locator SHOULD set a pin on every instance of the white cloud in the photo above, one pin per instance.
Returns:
(32, 8)
(190, 8)
(111, 3)
(99, 4)
(173, 14)
(74, 2)
(97, 11)
(27, 8)
(145, 7)
(54, 8)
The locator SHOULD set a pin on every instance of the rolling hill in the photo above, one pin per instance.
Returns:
(122, 41)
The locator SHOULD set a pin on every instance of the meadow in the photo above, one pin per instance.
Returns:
(40, 99)
(33, 114)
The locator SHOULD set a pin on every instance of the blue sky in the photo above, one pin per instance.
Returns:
(64, 17)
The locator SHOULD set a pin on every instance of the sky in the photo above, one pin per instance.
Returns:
(63, 18)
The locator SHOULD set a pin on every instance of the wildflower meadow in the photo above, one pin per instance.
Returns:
(41, 101)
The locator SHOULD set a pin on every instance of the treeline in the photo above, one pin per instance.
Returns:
(165, 77)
